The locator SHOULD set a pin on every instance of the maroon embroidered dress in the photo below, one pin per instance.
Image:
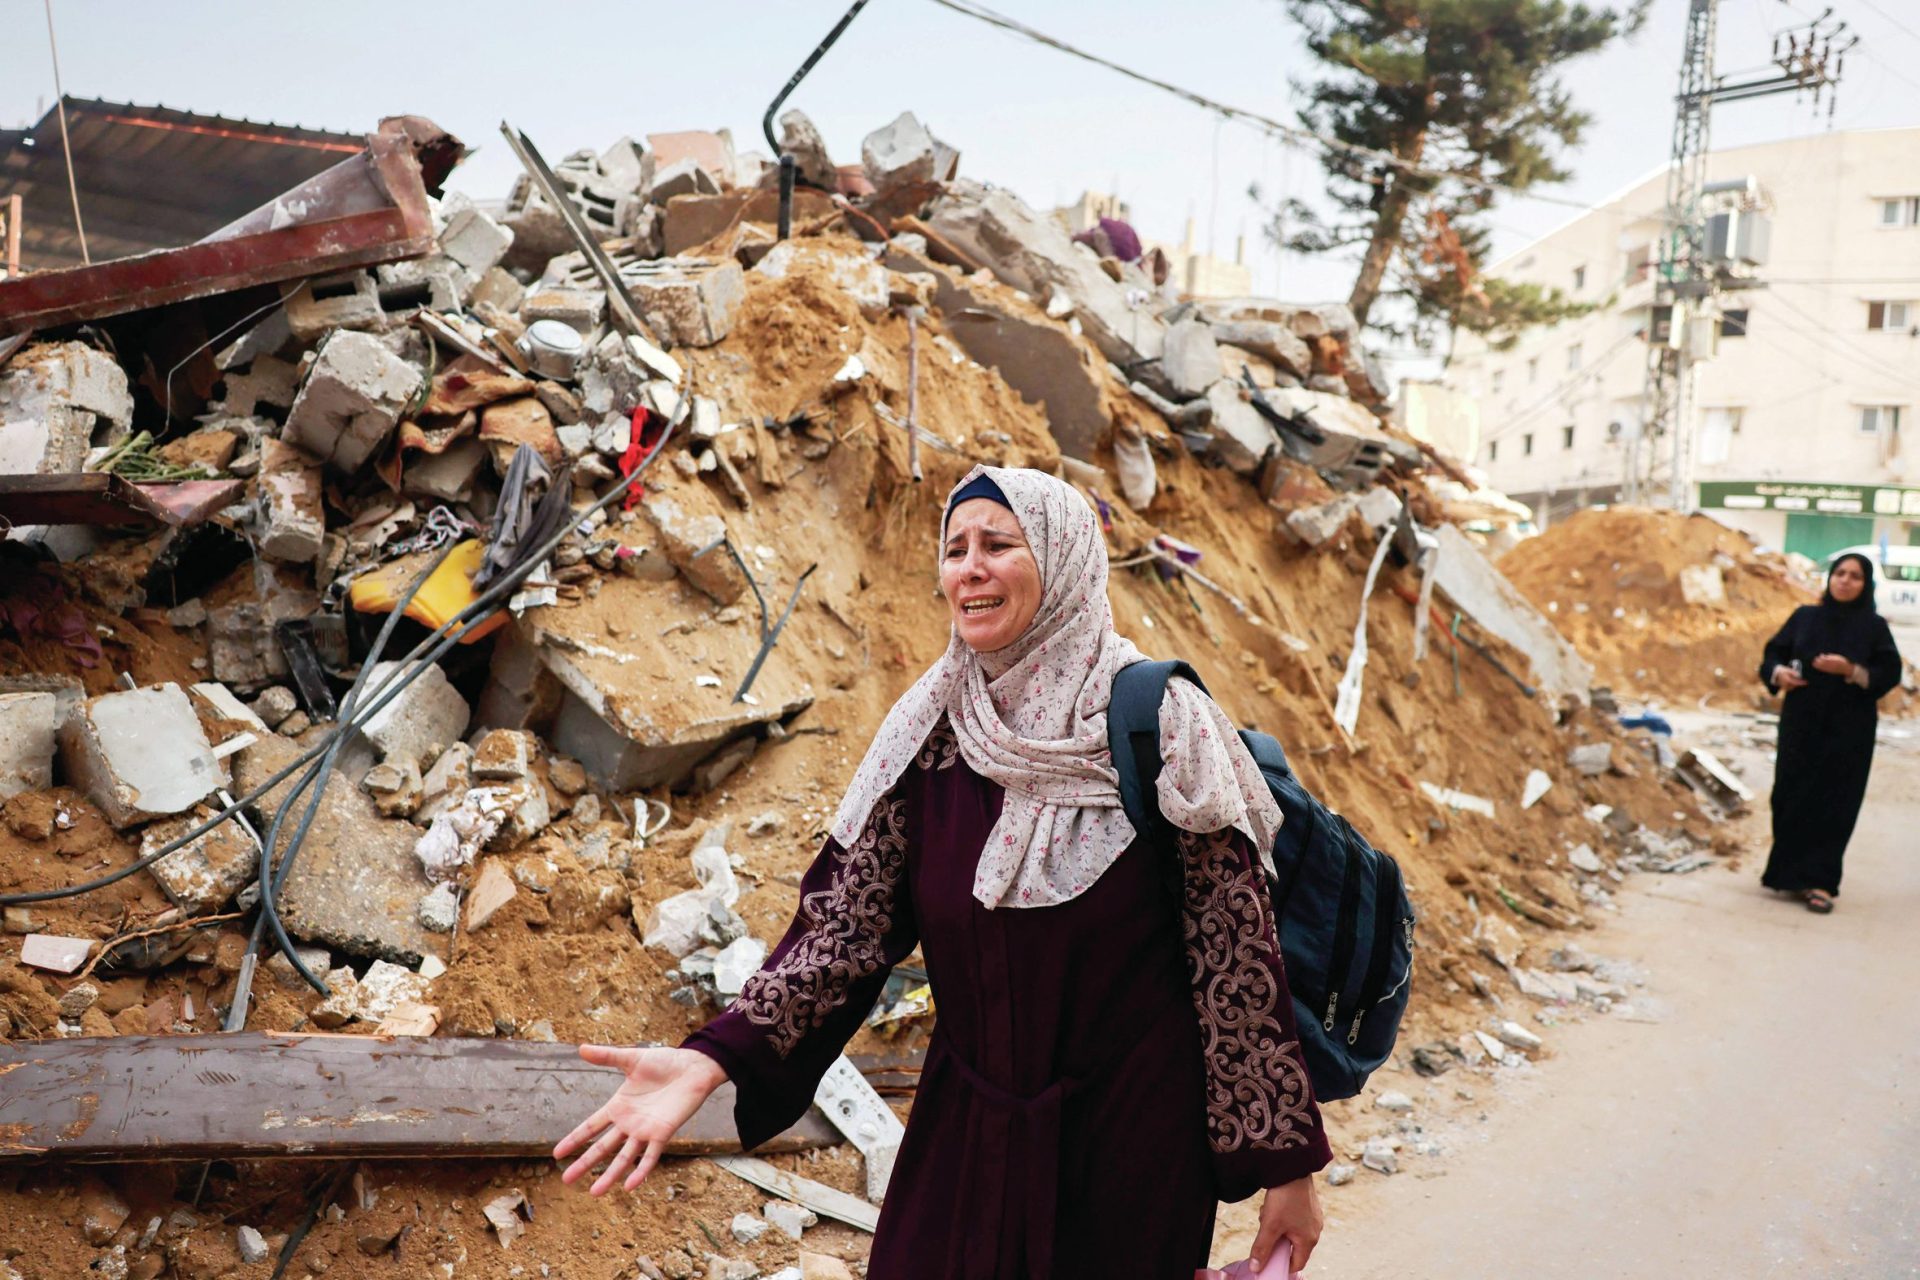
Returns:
(1101, 1072)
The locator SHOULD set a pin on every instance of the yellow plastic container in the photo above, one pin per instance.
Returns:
(440, 597)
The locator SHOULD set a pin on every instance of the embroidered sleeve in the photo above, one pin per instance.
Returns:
(1262, 1122)
(795, 1016)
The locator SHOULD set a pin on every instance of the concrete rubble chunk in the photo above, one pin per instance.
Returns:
(581, 309)
(629, 165)
(446, 781)
(682, 178)
(737, 961)
(904, 151)
(690, 301)
(252, 1245)
(139, 754)
(691, 541)
(206, 873)
(799, 139)
(54, 953)
(274, 704)
(354, 394)
(1191, 359)
(356, 882)
(1470, 580)
(747, 1229)
(1241, 436)
(293, 523)
(1592, 759)
(470, 238)
(440, 909)
(426, 716)
(1270, 340)
(505, 755)
(395, 786)
(859, 277)
(1031, 252)
(58, 402)
(28, 724)
(789, 1218)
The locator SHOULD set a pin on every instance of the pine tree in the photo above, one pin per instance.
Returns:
(1467, 91)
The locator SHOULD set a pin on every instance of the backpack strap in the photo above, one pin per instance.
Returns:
(1133, 735)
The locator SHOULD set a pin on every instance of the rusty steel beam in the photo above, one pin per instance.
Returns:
(262, 1095)
(101, 498)
(363, 211)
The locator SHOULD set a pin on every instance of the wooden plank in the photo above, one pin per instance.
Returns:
(101, 498)
(264, 1095)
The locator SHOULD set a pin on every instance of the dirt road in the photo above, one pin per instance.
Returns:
(1767, 1125)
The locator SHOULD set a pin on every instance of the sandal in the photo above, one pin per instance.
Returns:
(1818, 901)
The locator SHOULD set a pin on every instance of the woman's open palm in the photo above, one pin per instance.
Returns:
(663, 1088)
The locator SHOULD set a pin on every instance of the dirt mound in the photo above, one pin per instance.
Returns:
(1612, 581)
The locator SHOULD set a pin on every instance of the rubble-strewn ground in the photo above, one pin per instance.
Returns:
(1611, 581)
(564, 959)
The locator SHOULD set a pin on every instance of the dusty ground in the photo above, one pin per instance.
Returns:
(1754, 1122)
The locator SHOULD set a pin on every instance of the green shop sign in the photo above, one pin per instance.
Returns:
(1824, 499)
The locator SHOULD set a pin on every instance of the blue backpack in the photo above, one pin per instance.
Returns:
(1346, 927)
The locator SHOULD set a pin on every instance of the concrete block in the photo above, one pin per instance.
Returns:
(690, 301)
(206, 874)
(68, 693)
(858, 276)
(220, 701)
(799, 139)
(425, 718)
(447, 476)
(1269, 339)
(1031, 252)
(446, 781)
(505, 755)
(435, 284)
(350, 300)
(58, 402)
(628, 165)
(269, 380)
(900, 153)
(690, 538)
(1315, 525)
(520, 692)
(581, 309)
(293, 518)
(681, 178)
(492, 889)
(353, 396)
(471, 239)
(28, 722)
(1191, 359)
(1240, 435)
(497, 288)
(356, 884)
(139, 754)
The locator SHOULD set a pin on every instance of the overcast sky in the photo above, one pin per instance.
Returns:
(1023, 116)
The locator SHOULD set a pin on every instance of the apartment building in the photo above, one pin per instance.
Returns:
(1806, 388)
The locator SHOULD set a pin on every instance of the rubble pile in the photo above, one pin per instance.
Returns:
(585, 819)
(1663, 605)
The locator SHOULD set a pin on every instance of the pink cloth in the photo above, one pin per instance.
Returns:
(1032, 717)
(1279, 1267)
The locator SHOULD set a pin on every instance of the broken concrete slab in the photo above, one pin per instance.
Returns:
(353, 397)
(690, 301)
(1041, 361)
(1191, 358)
(900, 153)
(1241, 436)
(356, 884)
(292, 518)
(426, 717)
(1030, 251)
(58, 402)
(492, 889)
(681, 178)
(206, 873)
(1270, 340)
(447, 476)
(139, 754)
(1470, 580)
(691, 533)
(470, 238)
(28, 723)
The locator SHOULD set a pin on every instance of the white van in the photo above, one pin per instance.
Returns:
(1896, 586)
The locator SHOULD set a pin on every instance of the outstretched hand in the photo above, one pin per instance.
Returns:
(1785, 678)
(1833, 664)
(1292, 1211)
(663, 1088)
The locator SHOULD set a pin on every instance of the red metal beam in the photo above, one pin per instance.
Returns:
(403, 229)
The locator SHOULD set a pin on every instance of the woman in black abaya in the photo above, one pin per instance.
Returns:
(1833, 661)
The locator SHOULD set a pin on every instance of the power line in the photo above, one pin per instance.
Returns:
(1899, 25)
(1825, 336)
(60, 101)
(1592, 370)
(1253, 119)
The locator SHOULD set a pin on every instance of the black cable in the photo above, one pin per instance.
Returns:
(482, 606)
(793, 82)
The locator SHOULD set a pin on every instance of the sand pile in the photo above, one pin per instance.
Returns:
(1665, 606)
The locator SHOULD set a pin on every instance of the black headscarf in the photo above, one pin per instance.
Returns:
(1848, 628)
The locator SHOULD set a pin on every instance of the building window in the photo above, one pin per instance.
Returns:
(1499, 376)
(1733, 324)
(1901, 211)
(1889, 315)
(1878, 418)
(1566, 437)
(1579, 278)
(1493, 450)
(1639, 263)
(1573, 357)
(1533, 368)
(1526, 445)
